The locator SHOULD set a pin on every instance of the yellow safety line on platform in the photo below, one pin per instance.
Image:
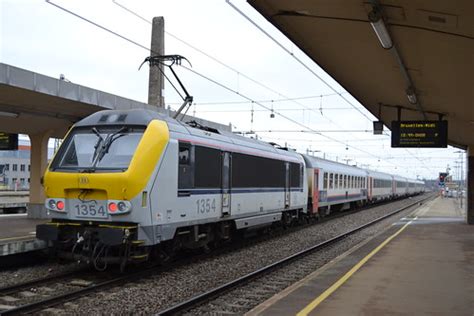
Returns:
(354, 269)
(19, 237)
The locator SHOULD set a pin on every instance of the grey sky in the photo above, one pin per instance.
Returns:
(40, 37)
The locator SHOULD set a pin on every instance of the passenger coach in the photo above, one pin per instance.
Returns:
(334, 186)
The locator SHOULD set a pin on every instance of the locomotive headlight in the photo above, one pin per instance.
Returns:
(119, 207)
(122, 207)
(57, 205)
(52, 204)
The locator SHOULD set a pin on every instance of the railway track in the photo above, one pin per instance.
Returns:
(213, 295)
(43, 293)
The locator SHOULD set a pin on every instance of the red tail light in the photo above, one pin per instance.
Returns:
(60, 205)
(112, 207)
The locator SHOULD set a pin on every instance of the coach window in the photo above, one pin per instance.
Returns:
(336, 181)
(185, 174)
(341, 181)
(325, 180)
(296, 175)
(258, 172)
(331, 181)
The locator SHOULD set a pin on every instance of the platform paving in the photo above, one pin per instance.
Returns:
(17, 234)
(426, 268)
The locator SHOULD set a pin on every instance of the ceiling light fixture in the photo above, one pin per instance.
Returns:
(9, 114)
(411, 95)
(376, 20)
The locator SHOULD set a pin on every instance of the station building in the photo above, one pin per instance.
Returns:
(15, 168)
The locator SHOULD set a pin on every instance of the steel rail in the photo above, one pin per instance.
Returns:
(218, 291)
(15, 287)
(62, 298)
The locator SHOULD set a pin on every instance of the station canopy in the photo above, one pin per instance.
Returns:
(429, 54)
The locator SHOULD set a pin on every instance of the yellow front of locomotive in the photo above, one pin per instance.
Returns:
(98, 183)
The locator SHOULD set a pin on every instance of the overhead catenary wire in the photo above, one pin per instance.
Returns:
(267, 100)
(218, 83)
(247, 110)
(276, 112)
(295, 57)
(239, 73)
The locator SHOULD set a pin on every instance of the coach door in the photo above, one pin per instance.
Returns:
(226, 196)
(287, 185)
(370, 186)
(316, 191)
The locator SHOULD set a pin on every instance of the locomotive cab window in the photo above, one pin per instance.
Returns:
(98, 149)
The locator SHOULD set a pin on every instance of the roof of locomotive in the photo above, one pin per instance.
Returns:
(118, 117)
(143, 117)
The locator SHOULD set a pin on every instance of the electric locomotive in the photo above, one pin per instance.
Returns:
(126, 186)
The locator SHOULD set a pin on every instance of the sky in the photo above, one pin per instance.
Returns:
(224, 47)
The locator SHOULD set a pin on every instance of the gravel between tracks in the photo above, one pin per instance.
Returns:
(160, 291)
(23, 274)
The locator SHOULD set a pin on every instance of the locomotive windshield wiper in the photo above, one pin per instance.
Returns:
(108, 142)
(97, 144)
(102, 146)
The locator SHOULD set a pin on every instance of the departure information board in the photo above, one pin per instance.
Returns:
(420, 134)
(8, 141)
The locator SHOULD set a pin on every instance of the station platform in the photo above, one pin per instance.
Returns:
(422, 265)
(17, 234)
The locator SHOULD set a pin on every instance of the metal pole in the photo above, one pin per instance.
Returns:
(156, 80)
